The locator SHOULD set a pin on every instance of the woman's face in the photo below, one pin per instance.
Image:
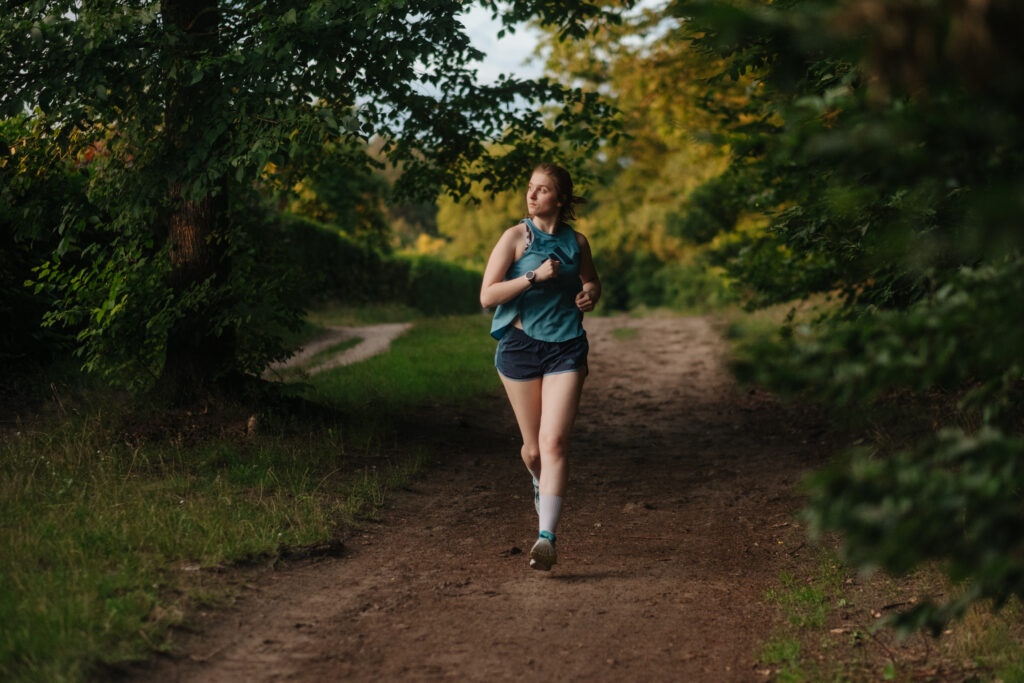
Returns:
(541, 197)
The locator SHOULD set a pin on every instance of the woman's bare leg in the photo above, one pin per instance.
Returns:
(560, 399)
(545, 410)
(525, 398)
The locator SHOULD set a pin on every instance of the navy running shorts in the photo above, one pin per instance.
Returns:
(521, 357)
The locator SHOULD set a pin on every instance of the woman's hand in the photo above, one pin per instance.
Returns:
(547, 270)
(584, 301)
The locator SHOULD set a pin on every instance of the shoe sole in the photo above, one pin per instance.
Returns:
(543, 555)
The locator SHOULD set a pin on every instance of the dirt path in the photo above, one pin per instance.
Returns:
(678, 518)
(374, 339)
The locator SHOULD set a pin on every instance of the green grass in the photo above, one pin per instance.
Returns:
(741, 327)
(1002, 652)
(101, 531)
(625, 333)
(784, 654)
(299, 373)
(804, 604)
(994, 640)
(831, 630)
(92, 528)
(805, 600)
(441, 360)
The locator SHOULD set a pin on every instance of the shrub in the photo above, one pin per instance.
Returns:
(331, 265)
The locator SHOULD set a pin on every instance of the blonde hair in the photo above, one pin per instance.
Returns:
(563, 190)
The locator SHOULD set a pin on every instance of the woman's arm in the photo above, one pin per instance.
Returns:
(495, 289)
(588, 298)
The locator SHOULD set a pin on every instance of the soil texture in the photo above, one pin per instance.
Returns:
(679, 516)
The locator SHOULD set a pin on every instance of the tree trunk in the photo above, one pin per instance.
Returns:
(197, 356)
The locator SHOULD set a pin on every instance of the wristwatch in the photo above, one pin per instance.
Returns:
(530, 276)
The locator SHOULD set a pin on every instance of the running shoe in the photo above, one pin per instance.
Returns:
(543, 555)
(536, 496)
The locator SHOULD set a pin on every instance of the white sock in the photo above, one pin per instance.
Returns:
(550, 509)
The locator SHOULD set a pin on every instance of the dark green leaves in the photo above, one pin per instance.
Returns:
(186, 114)
(882, 162)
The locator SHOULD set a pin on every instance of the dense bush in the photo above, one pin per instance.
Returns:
(298, 262)
(632, 279)
(332, 266)
(30, 219)
(436, 287)
(880, 146)
(955, 498)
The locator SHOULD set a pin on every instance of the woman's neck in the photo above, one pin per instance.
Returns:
(546, 224)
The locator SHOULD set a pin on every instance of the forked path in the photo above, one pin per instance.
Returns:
(678, 517)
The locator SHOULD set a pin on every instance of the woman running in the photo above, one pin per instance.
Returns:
(542, 279)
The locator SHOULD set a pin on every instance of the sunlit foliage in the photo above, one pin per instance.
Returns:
(640, 187)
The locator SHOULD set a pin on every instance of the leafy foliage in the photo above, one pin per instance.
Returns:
(642, 185)
(340, 269)
(880, 152)
(340, 184)
(955, 499)
(196, 106)
(473, 227)
(32, 194)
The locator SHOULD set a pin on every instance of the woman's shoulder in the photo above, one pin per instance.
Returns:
(581, 239)
(516, 230)
(513, 236)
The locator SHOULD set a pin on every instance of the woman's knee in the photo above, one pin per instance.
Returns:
(554, 445)
(531, 455)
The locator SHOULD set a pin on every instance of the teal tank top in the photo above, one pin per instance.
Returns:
(548, 309)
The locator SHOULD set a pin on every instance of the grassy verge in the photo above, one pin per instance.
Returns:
(328, 314)
(441, 360)
(108, 523)
(835, 627)
(808, 599)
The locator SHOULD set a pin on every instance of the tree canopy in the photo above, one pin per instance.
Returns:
(179, 114)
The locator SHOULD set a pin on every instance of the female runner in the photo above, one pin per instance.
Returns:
(542, 279)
